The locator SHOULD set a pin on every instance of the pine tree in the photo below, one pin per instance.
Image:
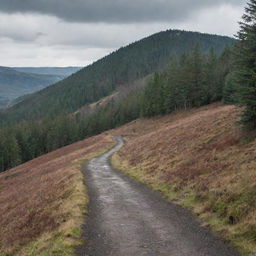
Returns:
(11, 152)
(210, 78)
(197, 92)
(246, 65)
(153, 102)
(230, 89)
(2, 151)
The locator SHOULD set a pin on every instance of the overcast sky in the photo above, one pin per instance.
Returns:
(78, 32)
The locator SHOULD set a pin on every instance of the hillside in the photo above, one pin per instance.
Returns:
(57, 71)
(199, 159)
(191, 80)
(43, 202)
(14, 84)
(103, 77)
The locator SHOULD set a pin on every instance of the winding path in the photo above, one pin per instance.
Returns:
(128, 219)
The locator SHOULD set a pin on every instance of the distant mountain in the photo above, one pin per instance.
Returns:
(14, 84)
(59, 71)
(120, 68)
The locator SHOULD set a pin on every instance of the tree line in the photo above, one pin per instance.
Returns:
(31, 139)
(196, 79)
(193, 80)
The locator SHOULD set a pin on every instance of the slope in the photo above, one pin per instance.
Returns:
(43, 202)
(127, 218)
(14, 84)
(199, 159)
(119, 68)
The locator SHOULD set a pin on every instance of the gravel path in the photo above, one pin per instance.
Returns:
(128, 219)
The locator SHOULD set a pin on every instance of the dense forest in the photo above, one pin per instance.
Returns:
(193, 80)
(100, 79)
(28, 140)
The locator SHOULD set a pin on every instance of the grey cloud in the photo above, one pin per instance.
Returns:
(17, 29)
(44, 39)
(113, 11)
(18, 37)
(98, 35)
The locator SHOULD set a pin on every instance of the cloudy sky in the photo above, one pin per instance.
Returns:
(78, 32)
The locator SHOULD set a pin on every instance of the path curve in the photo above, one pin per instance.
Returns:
(127, 218)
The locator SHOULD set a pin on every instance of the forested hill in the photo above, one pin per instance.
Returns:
(119, 68)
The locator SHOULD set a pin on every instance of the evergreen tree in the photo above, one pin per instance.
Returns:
(2, 150)
(196, 72)
(153, 101)
(246, 65)
(171, 89)
(230, 89)
(10, 152)
(210, 78)
(193, 80)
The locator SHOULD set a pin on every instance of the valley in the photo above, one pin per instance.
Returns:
(122, 137)
(17, 83)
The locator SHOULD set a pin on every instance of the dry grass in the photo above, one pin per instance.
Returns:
(201, 159)
(42, 202)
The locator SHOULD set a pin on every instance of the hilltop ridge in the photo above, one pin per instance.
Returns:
(121, 67)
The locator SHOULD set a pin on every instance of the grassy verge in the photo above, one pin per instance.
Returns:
(56, 228)
(208, 207)
(62, 241)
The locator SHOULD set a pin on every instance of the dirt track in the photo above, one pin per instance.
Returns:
(128, 219)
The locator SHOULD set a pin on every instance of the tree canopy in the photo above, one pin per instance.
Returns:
(246, 65)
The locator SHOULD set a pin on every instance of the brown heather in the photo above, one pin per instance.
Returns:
(201, 159)
(197, 158)
(40, 196)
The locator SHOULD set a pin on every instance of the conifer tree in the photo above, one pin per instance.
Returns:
(197, 92)
(246, 65)
(230, 89)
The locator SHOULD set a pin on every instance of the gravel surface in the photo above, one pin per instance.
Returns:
(126, 218)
